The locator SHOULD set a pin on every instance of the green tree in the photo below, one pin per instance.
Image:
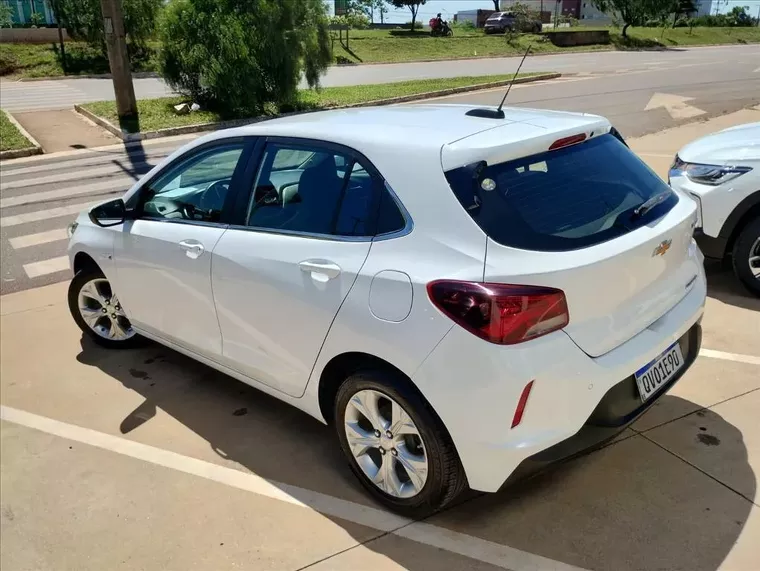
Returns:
(6, 15)
(413, 5)
(83, 19)
(632, 12)
(496, 5)
(238, 56)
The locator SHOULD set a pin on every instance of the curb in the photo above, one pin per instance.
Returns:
(201, 127)
(135, 75)
(35, 149)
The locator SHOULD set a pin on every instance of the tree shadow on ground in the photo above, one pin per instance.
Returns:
(628, 506)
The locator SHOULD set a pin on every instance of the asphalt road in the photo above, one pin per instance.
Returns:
(41, 195)
(56, 94)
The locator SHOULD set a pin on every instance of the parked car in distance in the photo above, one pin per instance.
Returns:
(462, 295)
(500, 22)
(722, 173)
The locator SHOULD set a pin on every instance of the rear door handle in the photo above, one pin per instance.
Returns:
(193, 249)
(321, 270)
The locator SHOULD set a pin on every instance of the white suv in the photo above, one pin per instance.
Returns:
(461, 294)
(722, 173)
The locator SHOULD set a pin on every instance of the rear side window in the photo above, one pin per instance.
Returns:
(560, 200)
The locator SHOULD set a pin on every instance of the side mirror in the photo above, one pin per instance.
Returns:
(111, 213)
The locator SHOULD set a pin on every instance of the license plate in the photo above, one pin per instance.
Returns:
(656, 374)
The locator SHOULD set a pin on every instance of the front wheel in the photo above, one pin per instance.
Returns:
(746, 256)
(98, 312)
(395, 445)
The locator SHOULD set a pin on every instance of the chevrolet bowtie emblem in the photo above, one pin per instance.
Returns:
(661, 248)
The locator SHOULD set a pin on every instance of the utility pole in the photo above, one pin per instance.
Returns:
(118, 59)
(57, 13)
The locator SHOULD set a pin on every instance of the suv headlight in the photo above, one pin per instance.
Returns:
(712, 175)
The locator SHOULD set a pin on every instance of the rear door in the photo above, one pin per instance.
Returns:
(571, 218)
(281, 273)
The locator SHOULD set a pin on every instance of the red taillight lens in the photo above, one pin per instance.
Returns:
(501, 313)
(567, 141)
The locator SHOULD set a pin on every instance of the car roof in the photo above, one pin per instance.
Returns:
(412, 128)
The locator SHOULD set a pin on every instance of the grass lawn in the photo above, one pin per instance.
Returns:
(377, 46)
(44, 60)
(10, 137)
(159, 113)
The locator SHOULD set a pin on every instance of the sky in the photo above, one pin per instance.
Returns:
(447, 8)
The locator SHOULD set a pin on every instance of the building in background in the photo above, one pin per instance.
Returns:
(592, 15)
(22, 10)
(476, 17)
(568, 8)
(714, 7)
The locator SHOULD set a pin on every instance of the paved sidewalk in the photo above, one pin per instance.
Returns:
(64, 130)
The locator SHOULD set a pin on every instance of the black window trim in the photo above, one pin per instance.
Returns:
(238, 220)
(249, 145)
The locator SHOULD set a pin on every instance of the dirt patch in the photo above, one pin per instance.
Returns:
(63, 130)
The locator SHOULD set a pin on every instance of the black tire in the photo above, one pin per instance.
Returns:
(743, 249)
(80, 279)
(445, 479)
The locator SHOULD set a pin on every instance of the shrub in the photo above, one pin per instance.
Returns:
(6, 15)
(464, 25)
(37, 19)
(354, 21)
(239, 59)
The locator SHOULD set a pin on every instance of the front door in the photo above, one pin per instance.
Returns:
(163, 255)
(282, 273)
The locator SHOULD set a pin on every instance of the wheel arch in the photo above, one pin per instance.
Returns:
(83, 261)
(746, 210)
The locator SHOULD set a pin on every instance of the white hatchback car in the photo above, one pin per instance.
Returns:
(460, 296)
(722, 173)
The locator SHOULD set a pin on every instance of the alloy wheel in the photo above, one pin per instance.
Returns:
(386, 444)
(102, 312)
(754, 259)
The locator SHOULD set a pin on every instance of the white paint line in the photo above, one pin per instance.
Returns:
(452, 541)
(63, 177)
(39, 238)
(749, 359)
(102, 159)
(38, 215)
(45, 267)
(111, 185)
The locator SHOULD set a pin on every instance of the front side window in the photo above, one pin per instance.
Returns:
(313, 191)
(195, 189)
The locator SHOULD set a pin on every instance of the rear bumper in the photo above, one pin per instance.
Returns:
(618, 409)
(576, 401)
(714, 248)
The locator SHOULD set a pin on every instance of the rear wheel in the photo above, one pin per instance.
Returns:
(395, 445)
(746, 256)
(98, 312)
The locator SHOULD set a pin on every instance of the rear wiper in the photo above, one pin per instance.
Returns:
(642, 209)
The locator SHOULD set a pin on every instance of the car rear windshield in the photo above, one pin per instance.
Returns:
(565, 199)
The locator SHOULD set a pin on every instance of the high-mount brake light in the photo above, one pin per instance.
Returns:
(567, 141)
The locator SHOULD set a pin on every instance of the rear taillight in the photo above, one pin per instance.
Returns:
(501, 313)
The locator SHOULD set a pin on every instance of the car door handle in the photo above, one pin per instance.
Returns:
(192, 248)
(321, 270)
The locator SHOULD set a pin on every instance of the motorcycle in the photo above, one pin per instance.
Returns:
(442, 30)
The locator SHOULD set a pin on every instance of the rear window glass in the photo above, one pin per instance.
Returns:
(564, 199)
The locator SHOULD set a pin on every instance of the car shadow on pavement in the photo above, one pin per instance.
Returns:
(631, 505)
(724, 286)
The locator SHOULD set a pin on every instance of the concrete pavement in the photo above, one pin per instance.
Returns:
(62, 93)
(146, 459)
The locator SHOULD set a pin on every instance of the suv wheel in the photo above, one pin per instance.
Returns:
(746, 256)
(395, 445)
(98, 312)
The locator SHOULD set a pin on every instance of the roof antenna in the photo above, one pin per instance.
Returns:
(497, 113)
